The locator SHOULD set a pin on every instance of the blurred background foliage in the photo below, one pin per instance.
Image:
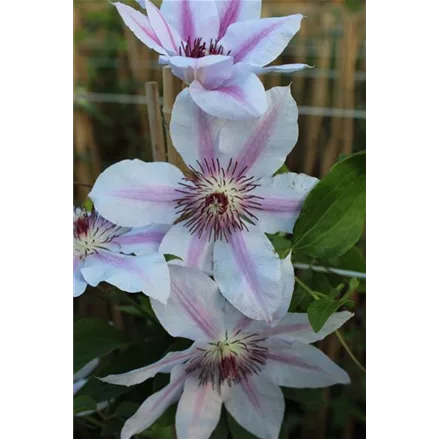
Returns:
(111, 123)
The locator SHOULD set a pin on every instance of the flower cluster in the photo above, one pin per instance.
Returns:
(227, 290)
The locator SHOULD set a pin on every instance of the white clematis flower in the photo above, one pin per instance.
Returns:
(81, 378)
(103, 251)
(218, 47)
(228, 203)
(234, 360)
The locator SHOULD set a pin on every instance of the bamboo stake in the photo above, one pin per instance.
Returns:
(319, 95)
(155, 122)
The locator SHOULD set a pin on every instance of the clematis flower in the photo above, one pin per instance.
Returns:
(223, 209)
(103, 251)
(218, 47)
(234, 361)
(81, 378)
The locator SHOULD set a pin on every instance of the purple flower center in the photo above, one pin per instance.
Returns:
(199, 49)
(217, 200)
(230, 360)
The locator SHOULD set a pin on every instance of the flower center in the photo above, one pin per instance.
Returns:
(91, 233)
(198, 48)
(230, 360)
(217, 200)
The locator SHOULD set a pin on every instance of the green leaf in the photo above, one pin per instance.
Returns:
(83, 403)
(88, 205)
(282, 170)
(310, 399)
(222, 429)
(135, 356)
(320, 311)
(236, 430)
(333, 215)
(126, 409)
(94, 338)
(132, 311)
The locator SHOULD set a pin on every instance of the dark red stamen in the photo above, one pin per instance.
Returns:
(197, 48)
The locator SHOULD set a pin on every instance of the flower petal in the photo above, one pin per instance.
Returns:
(287, 287)
(192, 18)
(79, 283)
(194, 307)
(86, 370)
(240, 98)
(296, 327)
(155, 405)
(247, 270)
(137, 376)
(148, 273)
(166, 33)
(282, 200)
(142, 240)
(139, 24)
(196, 252)
(301, 365)
(194, 133)
(284, 68)
(198, 411)
(257, 405)
(259, 42)
(232, 11)
(262, 145)
(211, 71)
(133, 193)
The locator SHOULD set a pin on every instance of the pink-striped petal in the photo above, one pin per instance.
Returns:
(211, 71)
(79, 283)
(198, 411)
(284, 68)
(195, 251)
(148, 273)
(248, 272)
(139, 24)
(262, 145)
(168, 36)
(165, 365)
(259, 42)
(142, 240)
(232, 11)
(155, 405)
(281, 200)
(194, 133)
(195, 307)
(257, 405)
(240, 98)
(133, 193)
(192, 18)
(301, 365)
(287, 288)
(296, 327)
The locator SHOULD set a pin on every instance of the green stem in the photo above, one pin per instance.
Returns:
(353, 357)
(314, 294)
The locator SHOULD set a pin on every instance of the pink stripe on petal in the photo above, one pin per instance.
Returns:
(230, 16)
(169, 389)
(198, 314)
(273, 204)
(252, 42)
(196, 250)
(206, 147)
(250, 391)
(256, 144)
(293, 361)
(243, 258)
(161, 194)
(186, 20)
(282, 329)
(148, 31)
